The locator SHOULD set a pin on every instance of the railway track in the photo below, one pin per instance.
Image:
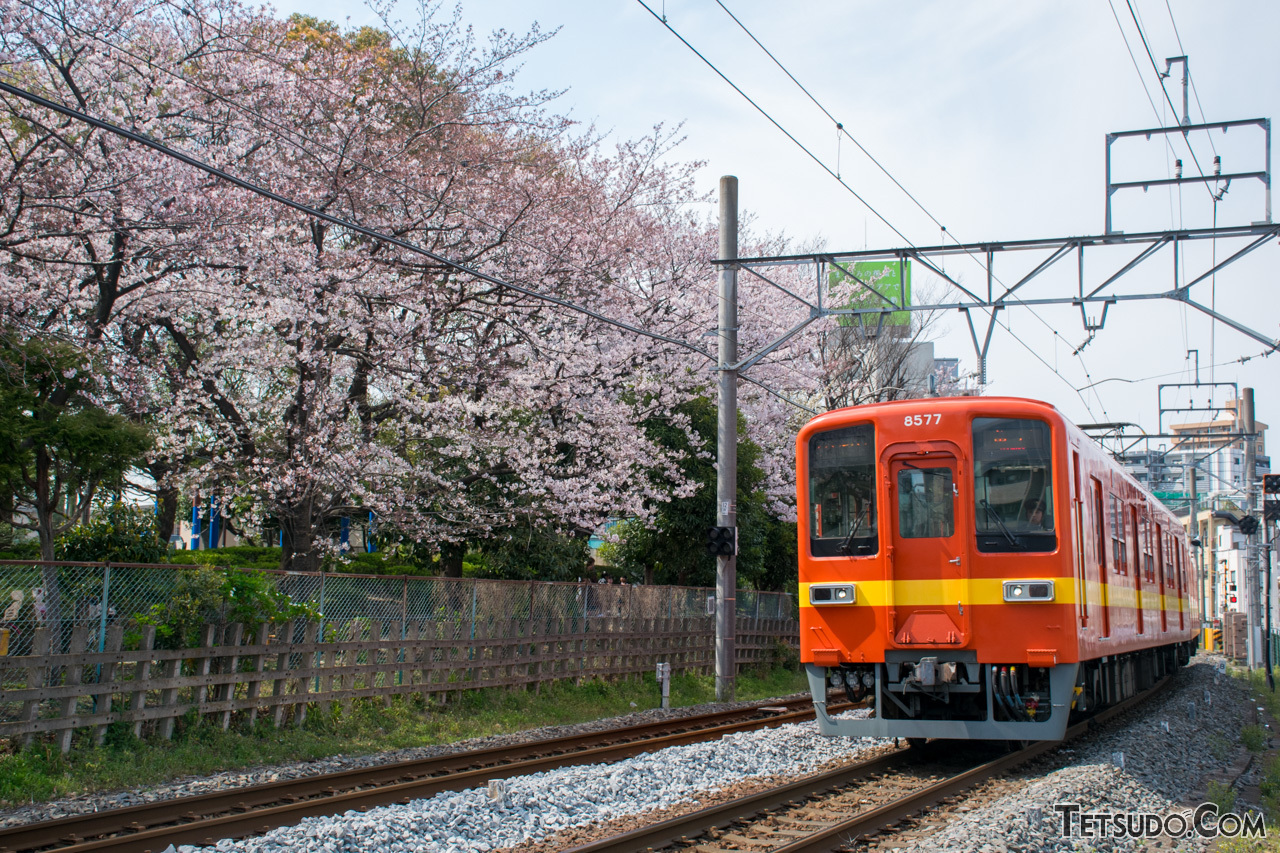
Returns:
(829, 811)
(237, 813)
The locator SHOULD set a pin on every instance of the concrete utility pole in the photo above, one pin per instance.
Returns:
(727, 444)
(1194, 529)
(1250, 492)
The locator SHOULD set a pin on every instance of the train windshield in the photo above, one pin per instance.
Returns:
(1013, 485)
(842, 492)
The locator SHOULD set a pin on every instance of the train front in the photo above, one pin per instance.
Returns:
(935, 568)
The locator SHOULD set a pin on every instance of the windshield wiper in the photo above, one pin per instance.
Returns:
(846, 547)
(995, 516)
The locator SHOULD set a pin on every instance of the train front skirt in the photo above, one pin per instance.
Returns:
(1061, 679)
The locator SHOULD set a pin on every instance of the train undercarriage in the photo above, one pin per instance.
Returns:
(949, 693)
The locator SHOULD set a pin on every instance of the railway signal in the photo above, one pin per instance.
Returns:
(722, 541)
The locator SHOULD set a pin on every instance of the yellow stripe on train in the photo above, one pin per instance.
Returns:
(947, 592)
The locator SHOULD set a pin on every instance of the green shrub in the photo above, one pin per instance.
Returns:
(118, 533)
(1222, 796)
(203, 596)
(1254, 738)
(236, 556)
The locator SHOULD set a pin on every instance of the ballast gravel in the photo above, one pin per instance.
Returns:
(232, 779)
(538, 805)
(1153, 761)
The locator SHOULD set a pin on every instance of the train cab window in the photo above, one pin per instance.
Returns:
(926, 503)
(842, 492)
(1013, 485)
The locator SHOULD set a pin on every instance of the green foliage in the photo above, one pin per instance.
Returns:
(530, 555)
(49, 421)
(26, 549)
(1221, 795)
(1269, 787)
(393, 561)
(201, 747)
(671, 548)
(118, 533)
(237, 556)
(1254, 738)
(1219, 746)
(204, 596)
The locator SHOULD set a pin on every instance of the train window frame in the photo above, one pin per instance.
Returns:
(1119, 549)
(926, 502)
(997, 529)
(861, 484)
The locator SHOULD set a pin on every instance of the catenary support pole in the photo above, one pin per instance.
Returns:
(727, 443)
(1193, 528)
(1251, 573)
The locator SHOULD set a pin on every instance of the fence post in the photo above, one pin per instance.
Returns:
(471, 652)
(102, 622)
(404, 626)
(106, 602)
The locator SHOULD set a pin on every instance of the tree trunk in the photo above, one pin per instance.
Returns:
(298, 535)
(451, 554)
(166, 499)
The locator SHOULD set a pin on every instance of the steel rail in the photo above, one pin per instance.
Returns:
(207, 818)
(687, 827)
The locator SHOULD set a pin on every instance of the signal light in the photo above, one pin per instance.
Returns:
(722, 541)
(1248, 525)
(1271, 484)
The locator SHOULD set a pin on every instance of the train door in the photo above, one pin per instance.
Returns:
(1163, 581)
(1138, 569)
(1077, 518)
(1100, 545)
(1180, 572)
(928, 565)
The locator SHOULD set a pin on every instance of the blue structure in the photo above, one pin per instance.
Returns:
(215, 526)
(195, 527)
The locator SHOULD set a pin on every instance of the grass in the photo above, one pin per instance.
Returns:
(41, 773)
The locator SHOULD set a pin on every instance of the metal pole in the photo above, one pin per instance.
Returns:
(1250, 491)
(727, 442)
(1194, 529)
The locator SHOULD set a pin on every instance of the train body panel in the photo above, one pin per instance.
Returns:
(961, 557)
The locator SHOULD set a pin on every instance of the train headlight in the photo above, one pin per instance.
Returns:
(832, 593)
(1033, 590)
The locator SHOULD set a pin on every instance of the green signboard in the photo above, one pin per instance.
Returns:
(887, 278)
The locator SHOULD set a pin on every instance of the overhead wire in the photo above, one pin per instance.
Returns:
(845, 132)
(1161, 78)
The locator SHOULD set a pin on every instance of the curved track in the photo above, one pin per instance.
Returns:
(241, 812)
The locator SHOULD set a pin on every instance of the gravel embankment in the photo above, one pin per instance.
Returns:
(194, 785)
(1163, 773)
(544, 803)
(1169, 747)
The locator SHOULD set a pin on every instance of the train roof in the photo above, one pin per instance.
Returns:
(978, 404)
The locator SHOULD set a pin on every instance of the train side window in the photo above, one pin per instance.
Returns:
(1148, 561)
(842, 492)
(1099, 522)
(1119, 556)
(1013, 485)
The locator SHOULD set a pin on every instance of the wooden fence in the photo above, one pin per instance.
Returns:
(244, 673)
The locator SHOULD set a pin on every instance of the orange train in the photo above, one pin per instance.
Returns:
(978, 568)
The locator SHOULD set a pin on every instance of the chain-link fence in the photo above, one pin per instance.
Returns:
(95, 596)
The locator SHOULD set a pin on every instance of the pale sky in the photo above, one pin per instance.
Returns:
(992, 114)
